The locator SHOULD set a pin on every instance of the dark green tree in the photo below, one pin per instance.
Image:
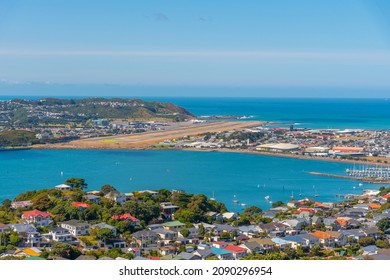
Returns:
(76, 183)
(383, 224)
(105, 234)
(107, 188)
(65, 251)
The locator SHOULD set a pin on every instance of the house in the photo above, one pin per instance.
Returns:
(249, 231)
(214, 216)
(127, 216)
(4, 228)
(219, 244)
(230, 215)
(116, 196)
(113, 243)
(21, 204)
(219, 228)
(281, 243)
(166, 234)
(295, 241)
(104, 225)
(353, 234)
(309, 239)
(167, 250)
(63, 187)
(76, 228)
(145, 238)
(371, 232)
(325, 238)
(189, 256)
(331, 224)
(222, 254)
(237, 252)
(60, 235)
(294, 224)
(93, 198)
(370, 250)
(252, 247)
(151, 193)
(339, 238)
(265, 244)
(168, 210)
(81, 205)
(174, 225)
(204, 253)
(273, 228)
(28, 233)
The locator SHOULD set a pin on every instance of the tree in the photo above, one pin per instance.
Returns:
(383, 224)
(366, 241)
(14, 239)
(185, 232)
(104, 234)
(201, 230)
(65, 250)
(251, 211)
(6, 203)
(107, 188)
(76, 183)
(382, 244)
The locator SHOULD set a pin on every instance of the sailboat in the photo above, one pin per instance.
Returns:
(300, 191)
(235, 200)
(212, 198)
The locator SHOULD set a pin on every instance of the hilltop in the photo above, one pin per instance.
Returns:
(54, 111)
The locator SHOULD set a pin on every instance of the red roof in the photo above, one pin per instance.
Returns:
(235, 249)
(386, 196)
(80, 204)
(35, 213)
(310, 210)
(126, 216)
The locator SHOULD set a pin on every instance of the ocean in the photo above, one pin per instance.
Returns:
(248, 178)
(303, 112)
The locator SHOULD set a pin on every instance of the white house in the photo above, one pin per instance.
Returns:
(116, 196)
(75, 227)
(63, 187)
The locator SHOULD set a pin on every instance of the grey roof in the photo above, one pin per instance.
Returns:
(75, 223)
(103, 225)
(59, 230)
(204, 253)
(163, 231)
(23, 228)
(309, 237)
(251, 245)
(353, 232)
(85, 258)
(224, 227)
(143, 233)
(140, 259)
(370, 230)
(189, 256)
(329, 221)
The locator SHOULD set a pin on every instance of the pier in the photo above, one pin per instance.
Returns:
(363, 179)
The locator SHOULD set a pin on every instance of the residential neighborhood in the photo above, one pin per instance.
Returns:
(71, 223)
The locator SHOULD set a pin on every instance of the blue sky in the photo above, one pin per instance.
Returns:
(202, 43)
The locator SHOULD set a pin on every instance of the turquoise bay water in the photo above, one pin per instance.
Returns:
(249, 177)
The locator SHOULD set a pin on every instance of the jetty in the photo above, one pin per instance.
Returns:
(363, 179)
